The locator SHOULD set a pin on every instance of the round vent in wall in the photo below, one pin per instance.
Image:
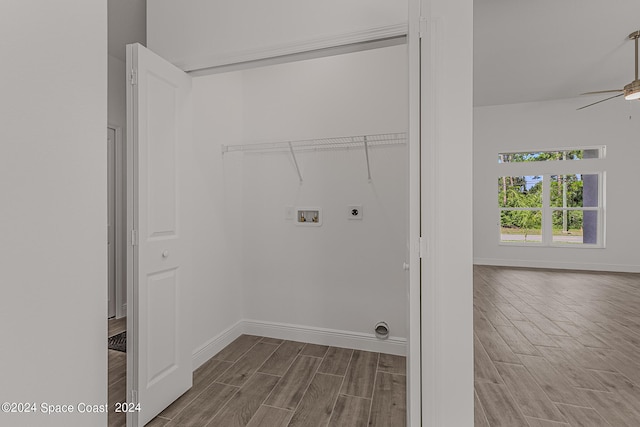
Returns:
(382, 330)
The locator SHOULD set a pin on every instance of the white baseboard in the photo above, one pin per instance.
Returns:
(313, 335)
(215, 344)
(324, 336)
(618, 268)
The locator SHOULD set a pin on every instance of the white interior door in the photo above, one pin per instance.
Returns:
(159, 367)
(111, 217)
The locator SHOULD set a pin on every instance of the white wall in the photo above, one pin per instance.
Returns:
(53, 253)
(352, 94)
(209, 33)
(557, 124)
(344, 275)
(211, 211)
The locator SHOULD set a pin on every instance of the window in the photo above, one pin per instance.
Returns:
(553, 155)
(551, 203)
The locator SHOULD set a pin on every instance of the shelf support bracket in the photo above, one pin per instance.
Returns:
(366, 153)
(295, 161)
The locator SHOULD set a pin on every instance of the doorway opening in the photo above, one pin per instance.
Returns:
(116, 284)
(116, 224)
(346, 275)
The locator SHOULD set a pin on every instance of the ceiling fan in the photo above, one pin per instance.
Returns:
(630, 91)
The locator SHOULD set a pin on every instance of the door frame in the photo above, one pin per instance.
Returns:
(417, 372)
(111, 222)
(414, 339)
(442, 110)
(120, 223)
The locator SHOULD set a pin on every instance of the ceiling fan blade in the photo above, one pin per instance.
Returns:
(602, 91)
(602, 100)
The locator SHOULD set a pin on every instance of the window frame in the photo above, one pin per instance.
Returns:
(547, 169)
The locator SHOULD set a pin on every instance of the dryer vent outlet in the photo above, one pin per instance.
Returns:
(382, 330)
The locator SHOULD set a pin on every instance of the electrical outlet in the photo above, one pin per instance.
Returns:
(354, 212)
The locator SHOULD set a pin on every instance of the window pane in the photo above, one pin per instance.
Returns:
(521, 226)
(554, 155)
(581, 227)
(520, 191)
(574, 191)
(567, 222)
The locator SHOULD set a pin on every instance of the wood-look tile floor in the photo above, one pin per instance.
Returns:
(257, 381)
(117, 374)
(556, 348)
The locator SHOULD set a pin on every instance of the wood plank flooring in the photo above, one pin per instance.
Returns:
(117, 374)
(257, 381)
(551, 347)
(556, 348)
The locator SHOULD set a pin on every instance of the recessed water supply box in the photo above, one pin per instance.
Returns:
(309, 216)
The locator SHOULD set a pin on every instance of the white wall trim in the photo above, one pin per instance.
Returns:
(308, 334)
(215, 344)
(318, 43)
(414, 334)
(324, 336)
(619, 268)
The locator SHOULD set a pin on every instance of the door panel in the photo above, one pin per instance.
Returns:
(158, 121)
(162, 313)
(161, 154)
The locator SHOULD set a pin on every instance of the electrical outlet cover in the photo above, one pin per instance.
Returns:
(354, 211)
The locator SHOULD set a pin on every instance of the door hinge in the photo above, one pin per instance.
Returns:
(133, 77)
(134, 397)
(134, 237)
(422, 31)
(423, 247)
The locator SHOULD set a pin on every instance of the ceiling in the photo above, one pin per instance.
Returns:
(524, 51)
(127, 24)
(527, 51)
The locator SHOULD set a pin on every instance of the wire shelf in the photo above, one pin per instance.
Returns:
(321, 144)
(337, 143)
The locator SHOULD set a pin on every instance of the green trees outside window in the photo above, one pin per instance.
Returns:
(524, 195)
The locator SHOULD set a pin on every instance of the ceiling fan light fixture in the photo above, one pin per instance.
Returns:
(632, 90)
